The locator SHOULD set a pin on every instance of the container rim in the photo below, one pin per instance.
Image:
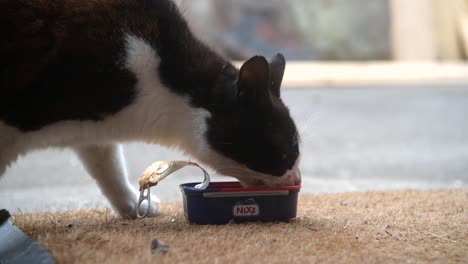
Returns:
(234, 186)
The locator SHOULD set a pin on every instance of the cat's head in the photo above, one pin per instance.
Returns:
(250, 134)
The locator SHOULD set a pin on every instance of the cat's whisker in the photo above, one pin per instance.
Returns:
(308, 123)
(301, 132)
(305, 126)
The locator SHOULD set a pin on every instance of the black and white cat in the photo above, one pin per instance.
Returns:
(89, 74)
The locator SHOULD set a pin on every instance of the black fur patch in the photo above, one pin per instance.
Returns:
(60, 62)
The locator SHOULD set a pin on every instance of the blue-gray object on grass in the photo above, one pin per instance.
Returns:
(17, 247)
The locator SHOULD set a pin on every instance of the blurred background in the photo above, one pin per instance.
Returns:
(378, 89)
(333, 29)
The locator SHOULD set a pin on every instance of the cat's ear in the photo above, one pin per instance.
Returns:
(277, 66)
(253, 81)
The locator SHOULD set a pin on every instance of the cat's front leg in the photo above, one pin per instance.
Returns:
(106, 164)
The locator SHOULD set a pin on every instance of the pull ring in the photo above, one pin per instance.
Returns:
(142, 198)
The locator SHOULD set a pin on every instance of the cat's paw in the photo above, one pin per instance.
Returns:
(130, 210)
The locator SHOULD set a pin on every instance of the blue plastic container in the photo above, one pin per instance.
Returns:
(223, 202)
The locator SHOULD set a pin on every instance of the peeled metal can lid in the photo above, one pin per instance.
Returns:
(159, 170)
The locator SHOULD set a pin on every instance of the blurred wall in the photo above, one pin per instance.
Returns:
(333, 29)
(345, 29)
(429, 29)
(302, 29)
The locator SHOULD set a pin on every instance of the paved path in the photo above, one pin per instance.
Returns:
(354, 138)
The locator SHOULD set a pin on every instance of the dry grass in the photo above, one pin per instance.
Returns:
(371, 227)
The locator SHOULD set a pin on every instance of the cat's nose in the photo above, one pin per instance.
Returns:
(297, 177)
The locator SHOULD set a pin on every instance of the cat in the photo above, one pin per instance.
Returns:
(91, 74)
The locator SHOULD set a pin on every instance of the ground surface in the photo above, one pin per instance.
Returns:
(354, 138)
(368, 227)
